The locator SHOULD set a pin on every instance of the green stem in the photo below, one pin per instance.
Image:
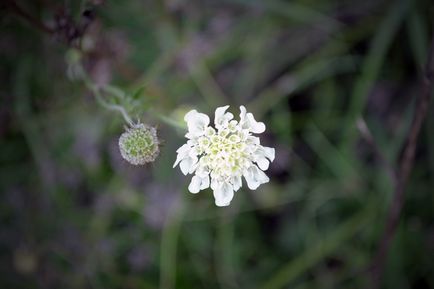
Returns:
(223, 251)
(98, 96)
(98, 93)
(169, 248)
(114, 107)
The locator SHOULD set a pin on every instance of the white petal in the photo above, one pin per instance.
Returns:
(214, 184)
(194, 166)
(194, 186)
(242, 114)
(190, 135)
(255, 127)
(196, 123)
(187, 165)
(269, 153)
(193, 152)
(251, 182)
(205, 183)
(263, 163)
(192, 142)
(260, 176)
(202, 171)
(255, 177)
(222, 117)
(178, 159)
(183, 152)
(253, 140)
(260, 156)
(236, 182)
(247, 121)
(219, 112)
(184, 148)
(223, 195)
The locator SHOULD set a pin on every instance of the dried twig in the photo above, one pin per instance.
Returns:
(36, 23)
(65, 29)
(403, 172)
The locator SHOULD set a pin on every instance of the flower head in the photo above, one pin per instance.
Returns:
(220, 156)
(139, 144)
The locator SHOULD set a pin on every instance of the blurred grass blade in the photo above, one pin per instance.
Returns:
(169, 248)
(418, 37)
(292, 11)
(207, 85)
(372, 65)
(340, 165)
(317, 252)
(307, 75)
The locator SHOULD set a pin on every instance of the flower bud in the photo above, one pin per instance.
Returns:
(139, 144)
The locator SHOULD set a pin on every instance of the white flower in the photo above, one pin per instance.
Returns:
(218, 157)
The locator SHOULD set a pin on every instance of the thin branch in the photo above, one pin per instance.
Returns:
(13, 6)
(99, 98)
(65, 29)
(404, 170)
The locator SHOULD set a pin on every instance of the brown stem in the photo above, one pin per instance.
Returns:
(29, 18)
(403, 172)
(65, 29)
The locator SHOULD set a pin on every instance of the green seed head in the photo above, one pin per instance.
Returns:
(139, 144)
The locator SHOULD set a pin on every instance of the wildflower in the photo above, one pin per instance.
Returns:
(139, 144)
(220, 156)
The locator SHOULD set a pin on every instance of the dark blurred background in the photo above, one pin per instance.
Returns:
(335, 81)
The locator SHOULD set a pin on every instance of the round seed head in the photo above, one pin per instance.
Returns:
(139, 144)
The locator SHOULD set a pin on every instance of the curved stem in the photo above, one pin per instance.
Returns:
(99, 98)
(114, 107)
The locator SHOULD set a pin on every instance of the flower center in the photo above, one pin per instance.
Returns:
(223, 153)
